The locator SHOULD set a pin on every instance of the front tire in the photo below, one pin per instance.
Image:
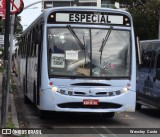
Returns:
(42, 114)
(34, 95)
(26, 100)
(138, 106)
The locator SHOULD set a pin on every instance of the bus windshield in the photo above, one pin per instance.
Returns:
(86, 52)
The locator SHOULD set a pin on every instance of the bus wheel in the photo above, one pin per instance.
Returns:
(108, 115)
(26, 100)
(34, 94)
(42, 114)
(138, 106)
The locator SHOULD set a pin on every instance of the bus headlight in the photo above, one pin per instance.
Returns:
(118, 92)
(110, 93)
(124, 90)
(114, 93)
(55, 89)
(70, 93)
(62, 91)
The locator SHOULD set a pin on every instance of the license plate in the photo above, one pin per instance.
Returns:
(90, 102)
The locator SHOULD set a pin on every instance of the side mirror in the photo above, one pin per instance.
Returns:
(139, 51)
(158, 74)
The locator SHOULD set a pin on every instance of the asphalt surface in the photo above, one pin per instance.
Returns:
(82, 125)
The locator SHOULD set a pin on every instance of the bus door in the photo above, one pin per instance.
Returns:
(39, 59)
(148, 73)
(156, 93)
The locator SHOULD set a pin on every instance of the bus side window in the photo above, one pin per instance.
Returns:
(146, 60)
(153, 55)
(158, 62)
(36, 50)
(158, 67)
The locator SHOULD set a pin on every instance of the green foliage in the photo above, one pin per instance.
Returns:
(146, 18)
(1, 25)
(2, 51)
(9, 123)
(13, 87)
(18, 27)
(1, 20)
(1, 69)
(127, 2)
(146, 14)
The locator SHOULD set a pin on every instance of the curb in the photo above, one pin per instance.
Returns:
(13, 111)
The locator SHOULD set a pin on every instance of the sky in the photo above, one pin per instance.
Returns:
(29, 14)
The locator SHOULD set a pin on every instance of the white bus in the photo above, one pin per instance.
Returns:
(76, 59)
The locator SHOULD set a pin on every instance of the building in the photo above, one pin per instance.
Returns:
(62, 3)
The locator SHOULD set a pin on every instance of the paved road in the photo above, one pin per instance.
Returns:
(146, 118)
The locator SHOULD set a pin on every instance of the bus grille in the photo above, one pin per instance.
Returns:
(101, 105)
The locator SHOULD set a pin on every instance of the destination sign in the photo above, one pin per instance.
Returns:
(89, 18)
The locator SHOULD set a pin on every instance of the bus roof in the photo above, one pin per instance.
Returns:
(150, 41)
(65, 9)
(150, 44)
(80, 8)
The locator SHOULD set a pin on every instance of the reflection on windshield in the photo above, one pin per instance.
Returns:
(68, 58)
(76, 37)
(104, 42)
(116, 55)
(66, 55)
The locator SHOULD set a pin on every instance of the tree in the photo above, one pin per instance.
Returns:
(1, 25)
(146, 19)
(146, 14)
(1, 52)
(18, 27)
(129, 2)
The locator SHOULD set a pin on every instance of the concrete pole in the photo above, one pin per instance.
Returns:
(159, 29)
(9, 67)
(76, 2)
(11, 49)
(5, 80)
(42, 6)
(99, 3)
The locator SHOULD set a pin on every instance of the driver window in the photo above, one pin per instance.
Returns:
(158, 62)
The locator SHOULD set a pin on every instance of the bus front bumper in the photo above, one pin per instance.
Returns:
(53, 101)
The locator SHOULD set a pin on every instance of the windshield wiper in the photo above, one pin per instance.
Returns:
(104, 41)
(76, 37)
(84, 49)
(78, 40)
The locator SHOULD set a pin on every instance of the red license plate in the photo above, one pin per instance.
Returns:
(90, 102)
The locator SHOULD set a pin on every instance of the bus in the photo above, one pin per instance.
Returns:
(148, 75)
(77, 59)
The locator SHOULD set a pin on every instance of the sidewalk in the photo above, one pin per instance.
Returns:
(12, 113)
